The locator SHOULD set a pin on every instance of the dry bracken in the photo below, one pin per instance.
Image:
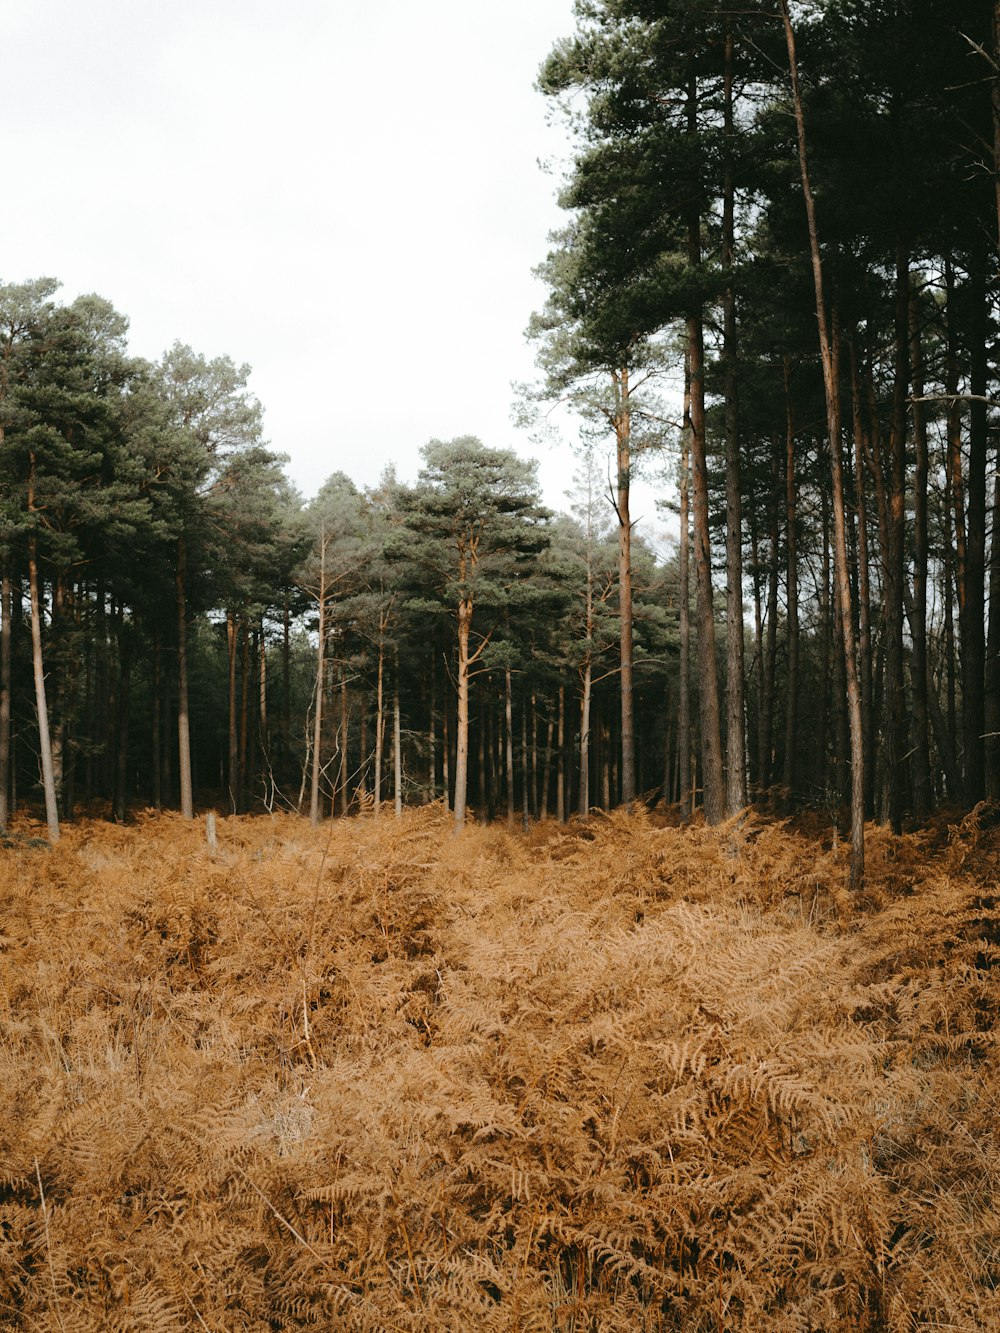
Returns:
(612, 1076)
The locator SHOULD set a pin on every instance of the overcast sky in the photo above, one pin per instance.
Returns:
(343, 193)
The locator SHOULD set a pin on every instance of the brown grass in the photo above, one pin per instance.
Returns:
(612, 1077)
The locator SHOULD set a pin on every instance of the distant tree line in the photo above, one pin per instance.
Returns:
(790, 212)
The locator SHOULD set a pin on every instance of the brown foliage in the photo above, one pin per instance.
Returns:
(609, 1077)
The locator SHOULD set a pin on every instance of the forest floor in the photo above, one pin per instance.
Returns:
(608, 1076)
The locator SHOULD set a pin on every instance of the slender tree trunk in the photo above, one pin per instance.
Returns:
(120, 803)
(561, 758)
(829, 353)
(344, 738)
(736, 775)
(432, 733)
(992, 677)
(314, 805)
(397, 749)
(157, 688)
(584, 800)
(234, 763)
(183, 712)
(41, 706)
(462, 724)
(623, 438)
(543, 810)
(6, 611)
(684, 610)
(243, 766)
(379, 725)
(509, 745)
(791, 590)
(923, 789)
(713, 781)
(262, 724)
(534, 753)
(862, 452)
(446, 751)
(973, 608)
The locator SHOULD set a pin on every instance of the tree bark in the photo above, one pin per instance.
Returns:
(462, 725)
(508, 709)
(397, 749)
(623, 438)
(791, 590)
(320, 679)
(829, 355)
(684, 609)
(41, 706)
(183, 713)
(713, 781)
(6, 635)
(736, 779)
(233, 772)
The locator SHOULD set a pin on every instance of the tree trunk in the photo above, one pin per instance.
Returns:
(44, 743)
(584, 799)
(320, 680)
(124, 636)
(379, 726)
(829, 354)
(791, 591)
(684, 609)
(397, 750)
(623, 440)
(233, 770)
(736, 778)
(862, 452)
(973, 608)
(183, 713)
(561, 758)
(923, 789)
(713, 782)
(157, 690)
(243, 767)
(6, 611)
(462, 724)
(509, 745)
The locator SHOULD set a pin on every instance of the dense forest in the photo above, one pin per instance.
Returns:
(776, 288)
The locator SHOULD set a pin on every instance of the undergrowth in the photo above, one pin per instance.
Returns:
(606, 1077)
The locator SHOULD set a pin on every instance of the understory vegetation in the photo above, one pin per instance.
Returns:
(610, 1075)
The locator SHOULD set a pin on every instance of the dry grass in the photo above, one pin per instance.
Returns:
(616, 1077)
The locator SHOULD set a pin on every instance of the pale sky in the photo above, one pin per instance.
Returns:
(343, 193)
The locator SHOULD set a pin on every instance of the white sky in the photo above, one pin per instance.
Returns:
(343, 193)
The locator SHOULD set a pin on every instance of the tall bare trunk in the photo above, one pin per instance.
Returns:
(623, 438)
(183, 712)
(791, 589)
(462, 721)
(6, 611)
(923, 789)
(379, 725)
(397, 750)
(829, 354)
(585, 693)
(41, 706)
(157, 727)
(509, 745)
(708, 681)
(561, 758)
(684, 610)
(233, 774)
(317, 764)
(736, 777)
